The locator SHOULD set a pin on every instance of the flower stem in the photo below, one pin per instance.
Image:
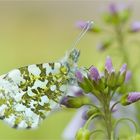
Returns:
(121, 40)
(107, 119)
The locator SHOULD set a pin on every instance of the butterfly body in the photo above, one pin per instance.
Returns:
(28, 94)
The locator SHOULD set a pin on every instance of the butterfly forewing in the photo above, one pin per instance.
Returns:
(28, 94)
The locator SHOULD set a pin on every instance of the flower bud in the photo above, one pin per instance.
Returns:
(104, 44)
(94, 74)
(74, 102)
(124, 100)
(79, 76)
(108, 65)
(112, 80)
(135, 27)
(86, 85)
(83, 24)
(128, 76)
(113, 8)
(133, 97)
(88, 113)
(123, 69)
(130, 98)
(122, 75)
(83, 134)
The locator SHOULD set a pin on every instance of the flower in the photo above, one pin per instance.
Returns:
(117, 8)
(84, 24)
(128, 76)
(130, 98)
(94, 74)
(108, 65)
(79, 76)
(64, 101)
(135, 26)
(123, 69)
(81, 24)
(79, 92)
(75, 124)
(113, 8)
(74, 102)
(133, 97)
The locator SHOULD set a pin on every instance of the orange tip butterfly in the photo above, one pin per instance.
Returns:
(28, 94)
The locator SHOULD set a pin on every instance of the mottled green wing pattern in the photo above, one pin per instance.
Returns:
(28, 94)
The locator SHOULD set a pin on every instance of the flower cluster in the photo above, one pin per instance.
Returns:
(102, 86)
(117, 16)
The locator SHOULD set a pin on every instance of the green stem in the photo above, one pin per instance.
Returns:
(121, 43)
(114, 105)
(96, 131)
(88, 121)
(120, 40)
(124, 119)
(107, 118)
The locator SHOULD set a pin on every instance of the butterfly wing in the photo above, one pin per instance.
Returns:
(28, 94)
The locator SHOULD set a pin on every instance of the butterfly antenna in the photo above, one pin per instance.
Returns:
(82, 33)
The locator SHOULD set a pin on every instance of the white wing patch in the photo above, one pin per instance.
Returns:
(33, 69)
(28, 94)
(15, 75)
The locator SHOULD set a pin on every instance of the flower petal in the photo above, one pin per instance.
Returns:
(108, 65)
(135, 26)
(79, 76)
(93, 73)
(123, 68)
(133, 97)
(128, 76)
(76, 123)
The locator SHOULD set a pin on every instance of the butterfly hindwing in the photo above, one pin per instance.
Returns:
(28, 94)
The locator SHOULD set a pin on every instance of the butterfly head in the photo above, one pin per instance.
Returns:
(71, 58)
(74, 55)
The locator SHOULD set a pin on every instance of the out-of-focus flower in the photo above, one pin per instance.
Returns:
(82, 24)
(86, 24)
(123, 69)
(116, 8)
(74, 91)
(133, 97)
(79, 76)
(135, 26)
(79, 93)
(128, 76)
(113, 8)
(76, 123)
(118, 14)
(64, 101)
(108, 65)
(94, 74)
(106, 43)
(122, 76)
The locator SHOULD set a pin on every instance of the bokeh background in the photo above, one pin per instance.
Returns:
(42, 31)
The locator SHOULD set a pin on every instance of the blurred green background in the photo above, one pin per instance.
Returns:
(42, 31)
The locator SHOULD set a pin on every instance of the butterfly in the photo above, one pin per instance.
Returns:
(28, 94)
